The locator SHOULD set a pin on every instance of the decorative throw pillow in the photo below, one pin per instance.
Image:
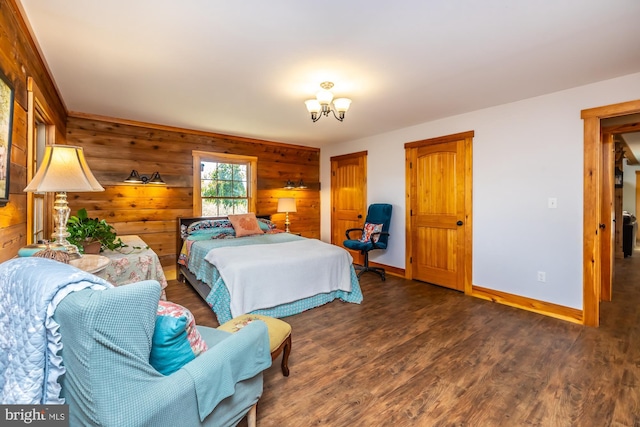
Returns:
(245, 224)
(176, 340)
(266, 224)
(369, 229)
(207, 224)
(213, 233)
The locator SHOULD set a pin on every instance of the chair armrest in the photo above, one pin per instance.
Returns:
(240, 356)
(361, 230)
(210, 378)
(374, 242)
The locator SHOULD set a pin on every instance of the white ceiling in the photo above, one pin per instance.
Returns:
(246, 67)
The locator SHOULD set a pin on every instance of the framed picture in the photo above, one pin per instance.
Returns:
(618, 178)
(6, 120)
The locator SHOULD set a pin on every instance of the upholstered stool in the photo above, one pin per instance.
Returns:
(279, 335)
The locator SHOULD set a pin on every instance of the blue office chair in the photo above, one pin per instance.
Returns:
(373, 235)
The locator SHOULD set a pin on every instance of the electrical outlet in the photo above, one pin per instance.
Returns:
(542, 276)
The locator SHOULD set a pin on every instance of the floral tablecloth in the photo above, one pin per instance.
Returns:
(129, 265)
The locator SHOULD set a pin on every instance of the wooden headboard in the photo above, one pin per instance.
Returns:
(189, 220)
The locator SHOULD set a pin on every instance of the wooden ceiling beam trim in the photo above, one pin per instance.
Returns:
(623, 128)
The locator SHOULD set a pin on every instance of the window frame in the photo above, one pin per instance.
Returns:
(41, 131)
(251, 163)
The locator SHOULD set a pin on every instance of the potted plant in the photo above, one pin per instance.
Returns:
(92, 235)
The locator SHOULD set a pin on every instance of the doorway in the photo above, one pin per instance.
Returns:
(596, 244)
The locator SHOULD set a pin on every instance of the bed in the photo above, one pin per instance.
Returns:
(264, 272)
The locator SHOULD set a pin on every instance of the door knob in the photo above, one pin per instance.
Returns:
(459, 223)
(602, 226)
(359, 216)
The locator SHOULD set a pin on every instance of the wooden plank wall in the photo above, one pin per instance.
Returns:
(114, 147)
(19, 59)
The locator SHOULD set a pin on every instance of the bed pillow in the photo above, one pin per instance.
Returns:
(208, 224)
(245, 224)
(176, 340)
(369, 229)
(266, 224)
(212, 233)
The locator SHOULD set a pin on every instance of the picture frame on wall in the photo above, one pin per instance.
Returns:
(6, 121)
(618, 178)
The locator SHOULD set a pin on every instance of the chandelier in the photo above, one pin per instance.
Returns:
(321, 106)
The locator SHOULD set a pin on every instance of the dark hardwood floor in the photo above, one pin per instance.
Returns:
(413, 354)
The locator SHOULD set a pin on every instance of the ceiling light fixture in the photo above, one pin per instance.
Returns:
(321, 106)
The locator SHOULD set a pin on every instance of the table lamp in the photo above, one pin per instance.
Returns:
(63, 169)
(286, 205)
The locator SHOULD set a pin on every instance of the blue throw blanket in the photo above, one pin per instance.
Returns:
(30, 290)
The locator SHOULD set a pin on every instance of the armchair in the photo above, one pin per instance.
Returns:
(93, 351)
(373, 235)
(106, 337)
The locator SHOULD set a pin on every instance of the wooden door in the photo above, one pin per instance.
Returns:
(608, 228)
(439, 238)
(348, 197)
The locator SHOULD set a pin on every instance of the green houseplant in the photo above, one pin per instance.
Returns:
(85, 231)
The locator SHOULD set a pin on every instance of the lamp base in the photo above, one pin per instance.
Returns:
(71, 249)
(286, 222)
(61, 216)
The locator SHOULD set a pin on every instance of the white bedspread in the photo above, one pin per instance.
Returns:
(264, 276)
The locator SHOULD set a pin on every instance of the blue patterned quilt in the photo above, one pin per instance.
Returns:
(219, 298)
(30, 290)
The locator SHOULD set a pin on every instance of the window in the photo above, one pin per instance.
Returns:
(38, 224)
(223, 188)
(223, 183)
(41, 131)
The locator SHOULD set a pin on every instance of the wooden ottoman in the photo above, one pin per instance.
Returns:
(279, 335)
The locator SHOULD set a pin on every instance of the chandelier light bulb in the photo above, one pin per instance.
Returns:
(324, 97)
(313, 106)
(342, 104)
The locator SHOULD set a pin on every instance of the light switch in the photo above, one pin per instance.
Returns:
(553, 203)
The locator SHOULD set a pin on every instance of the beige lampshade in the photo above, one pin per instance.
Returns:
(63, 168)
(287, 204)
